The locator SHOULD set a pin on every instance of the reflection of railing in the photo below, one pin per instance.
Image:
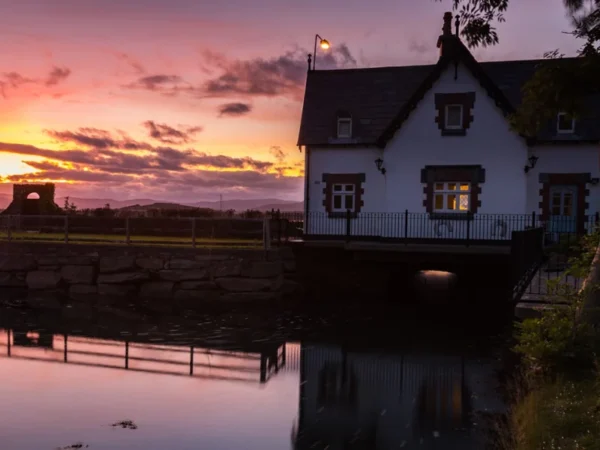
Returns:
(198, 362)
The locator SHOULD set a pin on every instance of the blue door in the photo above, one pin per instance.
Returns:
(563, 209)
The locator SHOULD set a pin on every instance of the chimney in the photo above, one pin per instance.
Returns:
(447, 28)
(448, 43)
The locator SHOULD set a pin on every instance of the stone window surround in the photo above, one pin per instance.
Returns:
(357, 179)
(466, 100)
(473, 174)
(580, 180)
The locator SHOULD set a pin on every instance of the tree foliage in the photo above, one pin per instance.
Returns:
(559, 85)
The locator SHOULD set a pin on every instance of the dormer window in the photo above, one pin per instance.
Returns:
(454, 112)
(344, 127)
(454, 117)
(565, 123)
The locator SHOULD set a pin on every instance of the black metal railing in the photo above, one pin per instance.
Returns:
(406, 226)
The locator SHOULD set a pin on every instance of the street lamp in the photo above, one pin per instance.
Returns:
(323, 43)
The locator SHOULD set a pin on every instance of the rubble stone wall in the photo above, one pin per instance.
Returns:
(181, 275)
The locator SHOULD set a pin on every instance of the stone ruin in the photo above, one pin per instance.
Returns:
(33, 199)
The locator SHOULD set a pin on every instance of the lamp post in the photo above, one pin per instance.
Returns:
(324, 44)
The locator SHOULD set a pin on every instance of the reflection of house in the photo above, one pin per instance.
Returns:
(379, 402)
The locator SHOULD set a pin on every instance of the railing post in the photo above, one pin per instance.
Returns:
(66, 229)
(406, 227)
(348, 225)
(193, 233)
(532, 219)
(469, 218)
(9, 232)
(127, 231)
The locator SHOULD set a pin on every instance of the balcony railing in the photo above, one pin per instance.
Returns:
(407, 226)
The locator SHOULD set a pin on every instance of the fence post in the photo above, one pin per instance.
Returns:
(9, 232)
(348, 224)
(66, 229)
(469, 218)
(266, 233)
(406, 227)
(532, 219)
(279, 227)
(127, 231)
(193, 232)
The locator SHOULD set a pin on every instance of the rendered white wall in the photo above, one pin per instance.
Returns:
(489, 142)
(575, 158)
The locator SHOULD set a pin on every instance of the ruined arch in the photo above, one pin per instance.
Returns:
(23, 202)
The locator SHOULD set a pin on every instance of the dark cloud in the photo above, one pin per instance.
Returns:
(14, 80)
(154, 158)
(280, 75)
(137, 67)
(57, 75)
(164, 84)
(278, 153)
(90, 137)
(171, 135)
(419, 47)
(234, 109)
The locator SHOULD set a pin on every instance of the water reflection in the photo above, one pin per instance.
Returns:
(249, 396)
(353, 400)
(258, 364)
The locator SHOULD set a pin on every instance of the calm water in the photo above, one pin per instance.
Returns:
(287, 381)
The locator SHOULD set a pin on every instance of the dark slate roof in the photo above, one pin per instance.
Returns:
(375, 97)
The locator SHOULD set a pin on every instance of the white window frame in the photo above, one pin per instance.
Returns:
(446, 115)
(347, 120)
(343, 193)
(564, 130)
(446, 191)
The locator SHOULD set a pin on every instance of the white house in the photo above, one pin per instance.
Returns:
(428, 152)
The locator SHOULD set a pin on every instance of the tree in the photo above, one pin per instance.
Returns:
(558, 84)
(69, 208)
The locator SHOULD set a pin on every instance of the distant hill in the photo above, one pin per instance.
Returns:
(239, 205)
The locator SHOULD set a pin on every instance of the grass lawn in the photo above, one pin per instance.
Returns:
(170, 241)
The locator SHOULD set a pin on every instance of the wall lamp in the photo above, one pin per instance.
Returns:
(532, 162)
(379, 164)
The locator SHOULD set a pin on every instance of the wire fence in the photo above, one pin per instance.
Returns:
(195, 231)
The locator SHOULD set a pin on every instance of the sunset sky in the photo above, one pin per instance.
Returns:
(184, 100)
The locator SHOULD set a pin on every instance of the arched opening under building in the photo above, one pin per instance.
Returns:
(33, 196)
(435, 286)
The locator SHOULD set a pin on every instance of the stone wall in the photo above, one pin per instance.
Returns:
(224, 275)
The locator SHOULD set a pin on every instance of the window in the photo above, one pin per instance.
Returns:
(565, 123)
(343, 192)
(343, 198)
(454, 116)
(451, 197)
(344, 127)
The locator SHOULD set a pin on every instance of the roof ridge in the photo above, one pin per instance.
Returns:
(369, 69)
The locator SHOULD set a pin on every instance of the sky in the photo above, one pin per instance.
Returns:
(187, 100)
